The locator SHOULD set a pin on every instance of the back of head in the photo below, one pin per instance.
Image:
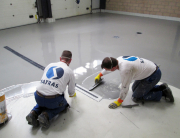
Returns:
(109, 63)
(66, 55)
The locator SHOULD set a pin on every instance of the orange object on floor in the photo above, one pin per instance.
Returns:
(3, 110)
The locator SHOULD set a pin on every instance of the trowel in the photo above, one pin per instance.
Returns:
(96, 84)
(130, 106)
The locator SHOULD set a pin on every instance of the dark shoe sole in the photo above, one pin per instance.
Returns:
(32, 121)
(165, 84)
(43, 121)
(169, 95)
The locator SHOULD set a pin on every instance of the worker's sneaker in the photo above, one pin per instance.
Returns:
(32, 119)
(163, 86)
(167, 93)
(44, 120)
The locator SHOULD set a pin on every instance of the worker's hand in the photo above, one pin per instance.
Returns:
(98, 77)
(115, 104)
(73, 95)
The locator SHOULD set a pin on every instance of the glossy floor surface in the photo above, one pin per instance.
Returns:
(91, 38)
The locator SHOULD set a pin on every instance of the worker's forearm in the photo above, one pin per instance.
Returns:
(123, 93)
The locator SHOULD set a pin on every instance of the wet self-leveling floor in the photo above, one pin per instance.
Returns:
(91, 38)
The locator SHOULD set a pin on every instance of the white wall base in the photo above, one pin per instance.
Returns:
(50, 20)
(143, 15)
(96, 10)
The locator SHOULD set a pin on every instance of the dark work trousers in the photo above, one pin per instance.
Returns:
(147, 89)
(52, 106)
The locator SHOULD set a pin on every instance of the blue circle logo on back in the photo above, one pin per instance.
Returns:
(130, 58)
(55, 73)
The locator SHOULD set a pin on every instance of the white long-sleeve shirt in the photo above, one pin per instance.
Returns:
(55, 78)
(132, 68)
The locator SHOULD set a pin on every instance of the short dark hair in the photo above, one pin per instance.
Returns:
(106, 63)
(66, 55)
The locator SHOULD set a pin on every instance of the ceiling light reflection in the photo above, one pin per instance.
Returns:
(96, 63)
(87, 65)
(80, 71)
